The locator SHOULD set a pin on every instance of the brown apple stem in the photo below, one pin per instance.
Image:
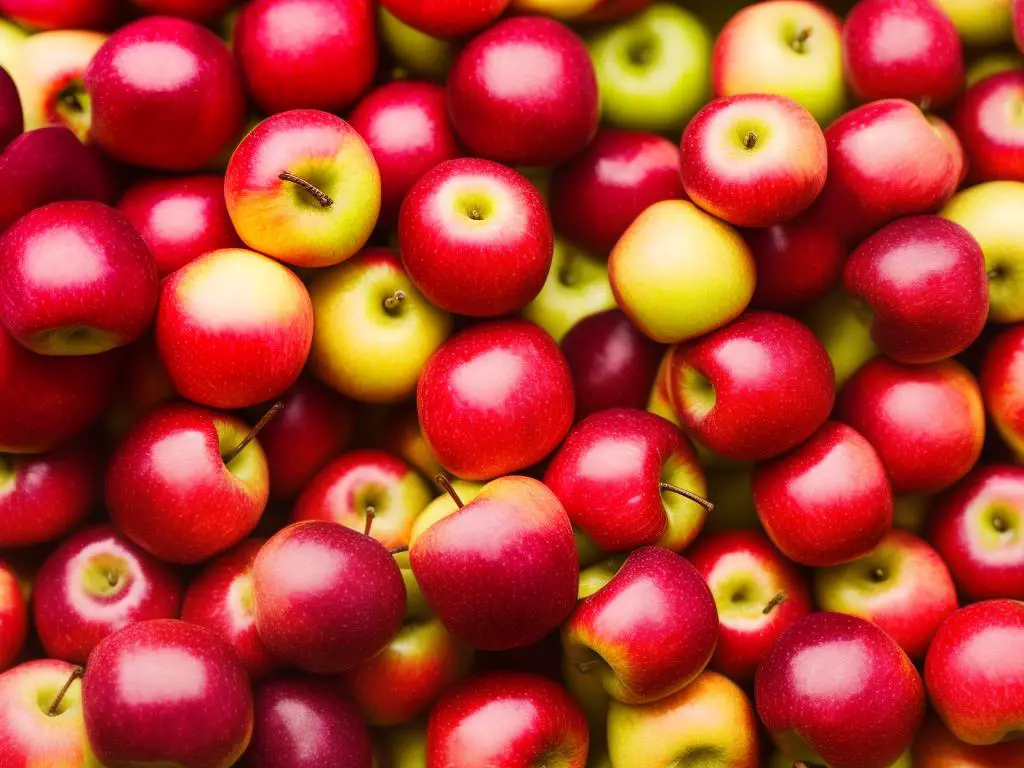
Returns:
(112, 578)
(394, 301)
(234, 452)
(799, 42)
(588, 666)
(774, 603)
(689, 495)
(76, 674)
(398, 550)
(447, 487)
(321, 196)
(371, 512)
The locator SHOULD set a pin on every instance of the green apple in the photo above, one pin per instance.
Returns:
(652, 69)
(417, 52)
(11, 37)
(992, 213)
(980, 22)
(577, 287)
(406, 745)
(679, 272)
(992, 64)
(844, 328)
(556, 9)
(373, 330)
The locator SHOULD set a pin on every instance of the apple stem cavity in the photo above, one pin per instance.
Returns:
(447, 487)
(689, 495)
(270, 414)
(1000, 524)
(877, 575)
(76, 674)
(394, 301)
(371, 513)
(774, 603)
(321, 196)
(800, 41)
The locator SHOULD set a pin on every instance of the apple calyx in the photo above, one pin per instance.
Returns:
(270, 414)
(447, 487)
(72, 108)
(998, 521)
(774, 603)
(393, 303)
(54, 709)
(877, 574)
(321, 197)
(687, 494)
(750, 140)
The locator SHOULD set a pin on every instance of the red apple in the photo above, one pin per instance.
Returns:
(753, 389)
(179, 487)
(827, 501)
(597, 194)
(936, 747)
(475, 238)
(754, 160)
(12, 120)
(446, 18)
(180, 218)
(76, 279)
(166, 692)
(495, 399)
(924, 280)
(306, 54)
(233, 328)
(1002, 383)
(926, 422)
(406, 125)
(758, 594)
(13, 620)
(978, 528)
(507, 719)
(523, 92)
(94, 584)
(327, 598)
(43, 497)
(831, 668)
(202, 11)
(501, 571)
(144, 384)
(902, 49)
(975, 672)
(993, 140)
(60, 14)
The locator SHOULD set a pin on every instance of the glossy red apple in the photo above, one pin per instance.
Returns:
(495, 399)
(753, 389)
(202, 11)
(180, 218)
(936, 747)
(597, 194)
(13, 619)
(1002, 384)
(992, 140)
(166, 691)
(446, 18)
(523, 92)
(924, 279)
(926, 421)
(828, 666)
(152, 78)
(60, 14)
(475, 238)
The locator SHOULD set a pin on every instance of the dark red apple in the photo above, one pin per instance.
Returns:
(12, 120)
(202, 11)
(61, 14)
(992, 138)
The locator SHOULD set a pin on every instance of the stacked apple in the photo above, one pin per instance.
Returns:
(511, 383)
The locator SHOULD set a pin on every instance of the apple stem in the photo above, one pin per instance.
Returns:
(448, 488)
(394, 301)
(774, 603)
(76, 673)
(234, 452)
(689, 495)
(799, 43)
(588, 666)
(371, 512)
(320, 195)
(398, 550)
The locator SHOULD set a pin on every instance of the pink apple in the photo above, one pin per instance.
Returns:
(992, 139)
(13, 620)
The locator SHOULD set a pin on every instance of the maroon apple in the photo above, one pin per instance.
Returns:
(446, 18)
(992, 139)
(61, 14)
(202, 11)
(12, 120)
(13, 617)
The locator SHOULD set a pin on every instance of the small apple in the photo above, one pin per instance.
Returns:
(13, 621)
(446, 18)
(980, 22)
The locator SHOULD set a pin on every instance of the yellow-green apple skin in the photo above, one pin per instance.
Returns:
(48, 69)
(991, 212)
(556, 9)
(844, 329)
(416, 51)
(373, 330)
(679, 272)
(652, 68)
(11, 37)
(790, 48)
(577, 287)
(660, 401)
(708, 724)
(992, 64)
(406, 746)
(980, 22)
(443, 506)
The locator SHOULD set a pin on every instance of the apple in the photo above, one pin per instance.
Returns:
(233, 328)
(936, 747)
(902, 586)
(100, 294)
(12, 119)
(790, 48)
(201, 11)
(310, 584)
(507, 718)
(577, 286)
(402, 436)
(60, 14)
(653, 68)
(828, 666)
(988, 212)
(406, 126)
(613, 364)
(399, 329)
(304, 721)
(413, 50)
(13, 621)
(495, 398)
(439, 508)
(523, 92)
(557, 9)
(187, 483)
(180, 218)
(501, 571)
(446, 18)
(95, 583)
(975, 674)
(844, 329)
(303, 187)
(955, 146)
(926, 422)
(992, 63)
(753, 160)
(980, 22)
(628, 478)
(151, 78)
(43, 497)
(710, 719)
(978, 529)
(758, 594)
(992, 140)
(924, 280)
(166, 691)
(678, 272)
(754, 389)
